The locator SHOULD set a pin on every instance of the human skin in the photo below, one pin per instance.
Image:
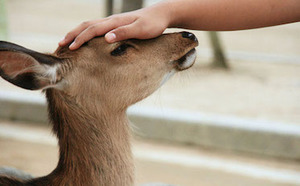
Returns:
(208, 15)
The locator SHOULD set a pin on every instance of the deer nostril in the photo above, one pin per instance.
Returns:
(189, 36)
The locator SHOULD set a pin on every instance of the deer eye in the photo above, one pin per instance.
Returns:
(120, 50)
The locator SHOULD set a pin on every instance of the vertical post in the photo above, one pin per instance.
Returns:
(130, 5)
(3, 20)
(219, 57)
(109, 7)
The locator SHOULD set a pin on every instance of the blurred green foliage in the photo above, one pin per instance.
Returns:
(3, 20)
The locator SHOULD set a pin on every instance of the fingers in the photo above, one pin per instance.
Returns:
(139, 24)
(117, 27)
(119, 34)
(124, 32)
(137, 30)
(72, 34)
(90, 32)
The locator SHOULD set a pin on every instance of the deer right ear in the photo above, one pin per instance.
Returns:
(26, 68)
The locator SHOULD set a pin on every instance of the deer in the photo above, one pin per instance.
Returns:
(88, 91)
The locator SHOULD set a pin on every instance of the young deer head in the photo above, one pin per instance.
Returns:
(88, 92)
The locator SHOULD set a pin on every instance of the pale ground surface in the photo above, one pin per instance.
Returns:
(23, 155)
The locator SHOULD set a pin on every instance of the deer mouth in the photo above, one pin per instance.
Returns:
(186, 61)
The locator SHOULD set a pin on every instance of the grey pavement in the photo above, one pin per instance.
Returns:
(155, 161)
(236, 134)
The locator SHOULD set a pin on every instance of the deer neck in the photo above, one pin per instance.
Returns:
(94, 146)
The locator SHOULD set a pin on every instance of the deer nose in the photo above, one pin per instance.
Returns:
(189, 36)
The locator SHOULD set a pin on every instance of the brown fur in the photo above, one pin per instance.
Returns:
(89, 113)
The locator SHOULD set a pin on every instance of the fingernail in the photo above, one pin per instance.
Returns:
(62, 41)
(72, 45)
(110, 37)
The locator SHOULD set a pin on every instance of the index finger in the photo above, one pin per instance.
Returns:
(99, 29)
(76, 31)
(92, 31)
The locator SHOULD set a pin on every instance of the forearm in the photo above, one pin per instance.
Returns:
(222, 15)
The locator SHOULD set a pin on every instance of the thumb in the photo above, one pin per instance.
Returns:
(122, 33)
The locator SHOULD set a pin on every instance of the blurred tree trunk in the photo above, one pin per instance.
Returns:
(109, 7)
(130, 5)
(3, 21)
(219, 60)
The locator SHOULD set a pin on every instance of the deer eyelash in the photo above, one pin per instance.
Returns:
(120, 50)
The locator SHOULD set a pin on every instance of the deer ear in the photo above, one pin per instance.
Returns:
(26, 68)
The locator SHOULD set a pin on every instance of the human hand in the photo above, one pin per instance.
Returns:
(140, 24)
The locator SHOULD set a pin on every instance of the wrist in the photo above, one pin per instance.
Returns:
(166, 12)
(172, 13)
(185, 13)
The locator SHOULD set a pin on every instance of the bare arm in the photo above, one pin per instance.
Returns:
(213, 15)
(225, 15)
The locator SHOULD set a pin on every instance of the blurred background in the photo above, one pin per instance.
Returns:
(232, 119)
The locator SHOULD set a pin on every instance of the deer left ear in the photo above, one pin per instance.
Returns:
(26, 68)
